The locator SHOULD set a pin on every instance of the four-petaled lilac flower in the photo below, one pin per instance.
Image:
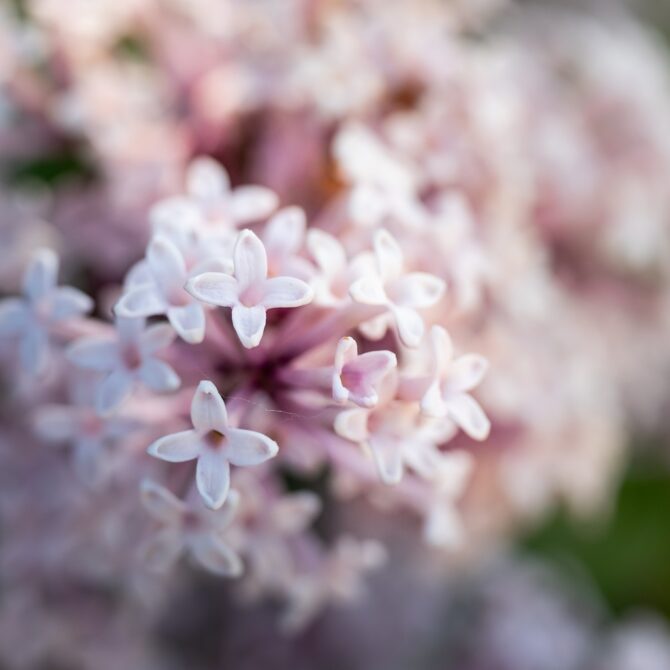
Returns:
(127, 358)
(250, 292)
(451, 380)
(159, 289)
(208, 186)
(400, 292)
(215, 444)
(355, 377)
(44, 303)
(197, 530)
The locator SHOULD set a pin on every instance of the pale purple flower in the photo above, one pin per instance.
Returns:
(451, 381)
(158, 288)
(400, 292)
(283, 239)
(249, 292)
(31, 318)
(127, 358)
(90, 435)
(215, 444)
(355, 376)
(196, 530)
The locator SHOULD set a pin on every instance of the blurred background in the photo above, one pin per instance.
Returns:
(552, 120)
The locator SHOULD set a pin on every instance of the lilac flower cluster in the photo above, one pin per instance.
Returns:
(431, 280)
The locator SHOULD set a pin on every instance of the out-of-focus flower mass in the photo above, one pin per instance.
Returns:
(296, 290)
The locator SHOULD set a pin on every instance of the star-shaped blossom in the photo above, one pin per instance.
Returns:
(215, 444)
(90, 436)
(127, 358)
(31, 318)
(249, 292)
(208, 186)
(400, 292)
(336, 577)
(158, 288)
(355, 377)
(394, 435)
(451, 381)
(194, 529)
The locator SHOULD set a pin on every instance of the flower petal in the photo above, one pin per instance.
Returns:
(94, 353)
(419, 290)
(249, 324)
(214, 288)
(113, 390)
(410, 326)
(162, 549)
(212, 476)
(13, 316)
(466, 372)
(69, 302)
(368, 290)
(432, 403)
(41, 274)
(352, 424)
(442, 349)
(466, 412)
(251, 203)
(387, 455)
(293, 513)
(286, 292)
(142, 300)
(166, 263)
(326, 251)
(216, 556)
(346, 351)
(208, 411)
(248, 447)
(177, 447)
(443, 526)
(156, 337)
(159, 376)
(388, 255)
(284, 233)
(207, 180)
(250, 259)
(56, 423)
(34, 351)
(162, 504)
(189, 322)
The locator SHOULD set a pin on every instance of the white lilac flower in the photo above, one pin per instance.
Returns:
(443, 526)
(400, 292)
(249, 292)
(355, 376)
(451, 381)
(208, 186)
(194, 529)
(157, 287)
(127, 358)
(283, 238)
(394, 435)
(215, 444)
(31, 318)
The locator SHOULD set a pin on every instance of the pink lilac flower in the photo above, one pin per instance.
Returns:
(127, 358)
(194, 529)
(31, 319)
(249, 291)
(400, 292)
(215, 444)
(158, 288)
